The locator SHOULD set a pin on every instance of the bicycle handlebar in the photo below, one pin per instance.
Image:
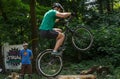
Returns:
(68, 19)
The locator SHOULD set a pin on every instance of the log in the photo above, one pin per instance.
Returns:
(90, 76)
(98, 69)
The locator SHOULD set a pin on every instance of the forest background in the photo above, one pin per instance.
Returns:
(20, 19)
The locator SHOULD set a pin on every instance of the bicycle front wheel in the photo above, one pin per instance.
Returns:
(82, 38)
(48, 64)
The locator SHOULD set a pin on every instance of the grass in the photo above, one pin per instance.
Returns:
(69, 71)
(71, 68)
(74, 71)
(2, 76)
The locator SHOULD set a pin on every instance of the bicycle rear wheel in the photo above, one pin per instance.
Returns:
(82, 38)
(49, 65)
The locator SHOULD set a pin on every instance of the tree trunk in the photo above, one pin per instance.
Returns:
(112, 4)
(34, 30)
(100, 7)
(2, 11)
(108, 6)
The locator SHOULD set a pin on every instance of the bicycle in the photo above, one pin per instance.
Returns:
(49, 65)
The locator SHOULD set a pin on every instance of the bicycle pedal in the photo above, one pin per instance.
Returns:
(62, 48)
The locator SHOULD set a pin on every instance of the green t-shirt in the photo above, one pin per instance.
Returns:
(48, 21)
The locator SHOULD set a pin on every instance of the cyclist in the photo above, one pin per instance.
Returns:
(48, 22)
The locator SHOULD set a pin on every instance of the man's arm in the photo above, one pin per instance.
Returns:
(31, 55)
(63, 15)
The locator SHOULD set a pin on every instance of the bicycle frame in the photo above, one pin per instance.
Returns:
(67, 29)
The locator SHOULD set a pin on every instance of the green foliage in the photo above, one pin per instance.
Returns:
(40, 11)
(117, 4)
(117, 71)
(106, 38)
(76, 68)
(14, 7)
(2, 76)
(14, 28)
(17, 27)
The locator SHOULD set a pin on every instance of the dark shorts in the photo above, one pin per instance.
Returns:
(26, 69)
(50, 34)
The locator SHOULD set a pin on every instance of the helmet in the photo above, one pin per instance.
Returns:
(58, 5)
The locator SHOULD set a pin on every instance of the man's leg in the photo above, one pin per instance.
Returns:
(57, 30)
(30, 76)
(22, 76)
(22, 71)
(59, 41)
(29, 70)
